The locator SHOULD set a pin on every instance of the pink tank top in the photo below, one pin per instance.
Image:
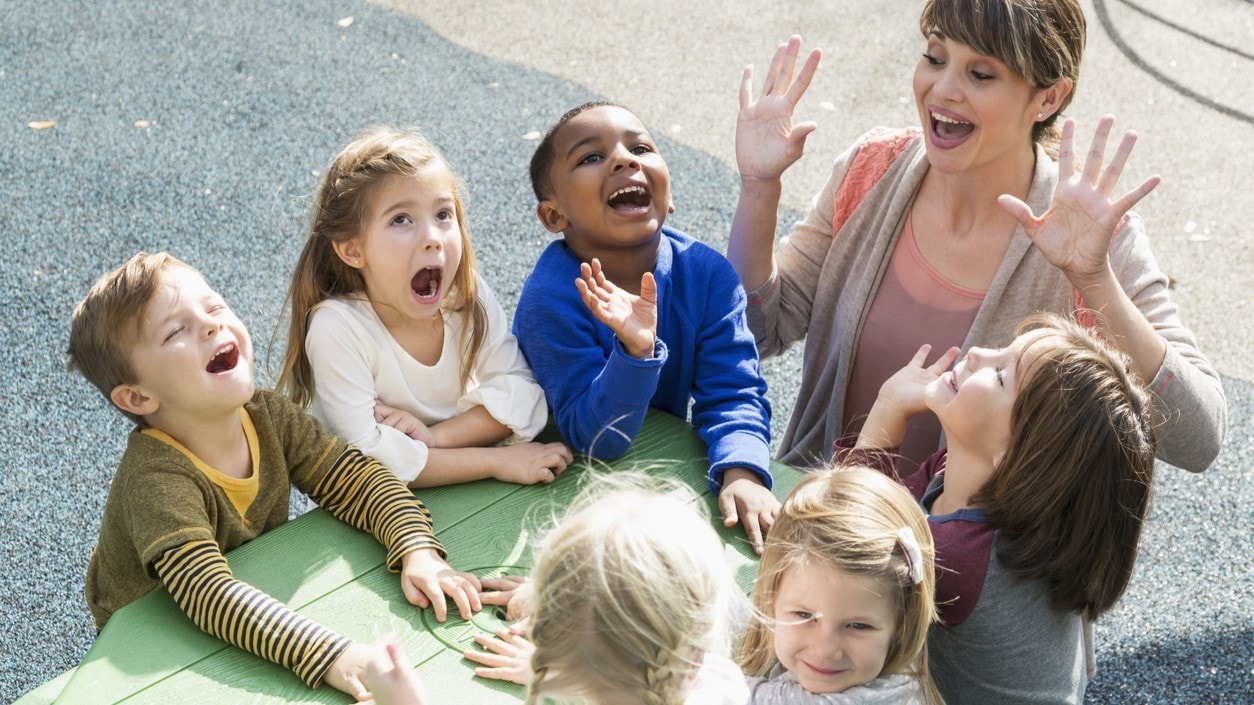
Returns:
(914, 305)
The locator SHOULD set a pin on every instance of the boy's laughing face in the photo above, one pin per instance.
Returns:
(192, 354)
(611, 188)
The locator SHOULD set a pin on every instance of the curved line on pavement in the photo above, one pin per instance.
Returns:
(1103, 16)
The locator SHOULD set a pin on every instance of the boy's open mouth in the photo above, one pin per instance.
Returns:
(224, 360)
(426, 283)
(629, 199)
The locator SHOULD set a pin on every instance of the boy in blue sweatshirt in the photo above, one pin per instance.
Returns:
(653, 317)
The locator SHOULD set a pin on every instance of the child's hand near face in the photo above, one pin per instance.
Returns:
(426, 579)
(902, 396)
(745, 499)
(632, 318)
(508, 657)
(389, 677)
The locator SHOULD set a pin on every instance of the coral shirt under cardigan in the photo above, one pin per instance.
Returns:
(704, 353)
(824, 283)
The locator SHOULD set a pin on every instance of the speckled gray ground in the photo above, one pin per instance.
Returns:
(244, 103)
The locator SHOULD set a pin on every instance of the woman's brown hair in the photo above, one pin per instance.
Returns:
(1041, 41)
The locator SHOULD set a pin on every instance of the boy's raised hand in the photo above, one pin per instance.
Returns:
(426, 578)
(767, 142)
(746, 500)
(632, 318)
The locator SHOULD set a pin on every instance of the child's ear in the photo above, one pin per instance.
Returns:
(550, 217)
(349, 252)
(130, 399)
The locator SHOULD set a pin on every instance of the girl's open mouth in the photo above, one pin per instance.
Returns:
(224, 360)
(426, 284)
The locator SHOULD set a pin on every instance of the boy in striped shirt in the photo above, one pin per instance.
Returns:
(209, 467)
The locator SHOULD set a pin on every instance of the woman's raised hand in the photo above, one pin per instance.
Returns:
(767, 142)
(1075, 233)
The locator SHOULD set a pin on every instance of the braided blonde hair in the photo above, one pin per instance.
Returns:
(631, 590)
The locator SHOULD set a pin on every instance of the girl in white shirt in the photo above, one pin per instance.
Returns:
(396, 343)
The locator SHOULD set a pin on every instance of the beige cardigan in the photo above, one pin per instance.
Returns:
(823, 287)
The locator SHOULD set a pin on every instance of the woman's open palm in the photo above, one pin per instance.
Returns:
(1075, 233)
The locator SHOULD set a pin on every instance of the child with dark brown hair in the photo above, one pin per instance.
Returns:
(1036, 505)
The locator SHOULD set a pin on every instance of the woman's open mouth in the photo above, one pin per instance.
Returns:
(948, 131)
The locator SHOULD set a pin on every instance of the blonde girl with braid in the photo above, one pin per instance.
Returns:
(632, 599)
(396, 343)
(844, 597)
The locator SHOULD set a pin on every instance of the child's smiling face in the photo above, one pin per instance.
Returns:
(611, 188)
(192, 354)
(833, 628)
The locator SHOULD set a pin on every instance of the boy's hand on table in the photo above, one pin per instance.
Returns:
(632, 318)
(508, 657)
(426, 579)
(745, 499)
(345, 673)
(390, 677)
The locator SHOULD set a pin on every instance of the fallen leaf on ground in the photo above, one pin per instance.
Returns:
(41, 124)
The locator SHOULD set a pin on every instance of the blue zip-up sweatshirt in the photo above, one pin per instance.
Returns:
(704, 353)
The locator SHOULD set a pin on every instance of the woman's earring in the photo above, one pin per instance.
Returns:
(1040, 116)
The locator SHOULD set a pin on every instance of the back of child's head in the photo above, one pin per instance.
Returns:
(341, 206)
(1072, 490)
(542, 159)
(106, 323)
(631, 589)
(853, 519)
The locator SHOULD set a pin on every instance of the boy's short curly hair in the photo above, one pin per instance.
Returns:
(542, 159)
(107, 321)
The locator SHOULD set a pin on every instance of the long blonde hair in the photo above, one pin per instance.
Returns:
(631, 589)
(850, 518)
(339, 212)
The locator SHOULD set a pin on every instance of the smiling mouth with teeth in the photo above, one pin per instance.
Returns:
(426, 283)
(629, 198)
(950, 128)
(224, 360)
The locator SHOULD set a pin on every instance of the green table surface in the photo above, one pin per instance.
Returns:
(150, 652)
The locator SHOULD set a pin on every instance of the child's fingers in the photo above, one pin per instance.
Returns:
(944, 362)
(920, 355)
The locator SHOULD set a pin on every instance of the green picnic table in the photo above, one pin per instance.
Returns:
(150, 652)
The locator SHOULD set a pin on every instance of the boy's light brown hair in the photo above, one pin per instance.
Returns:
(106, 323)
